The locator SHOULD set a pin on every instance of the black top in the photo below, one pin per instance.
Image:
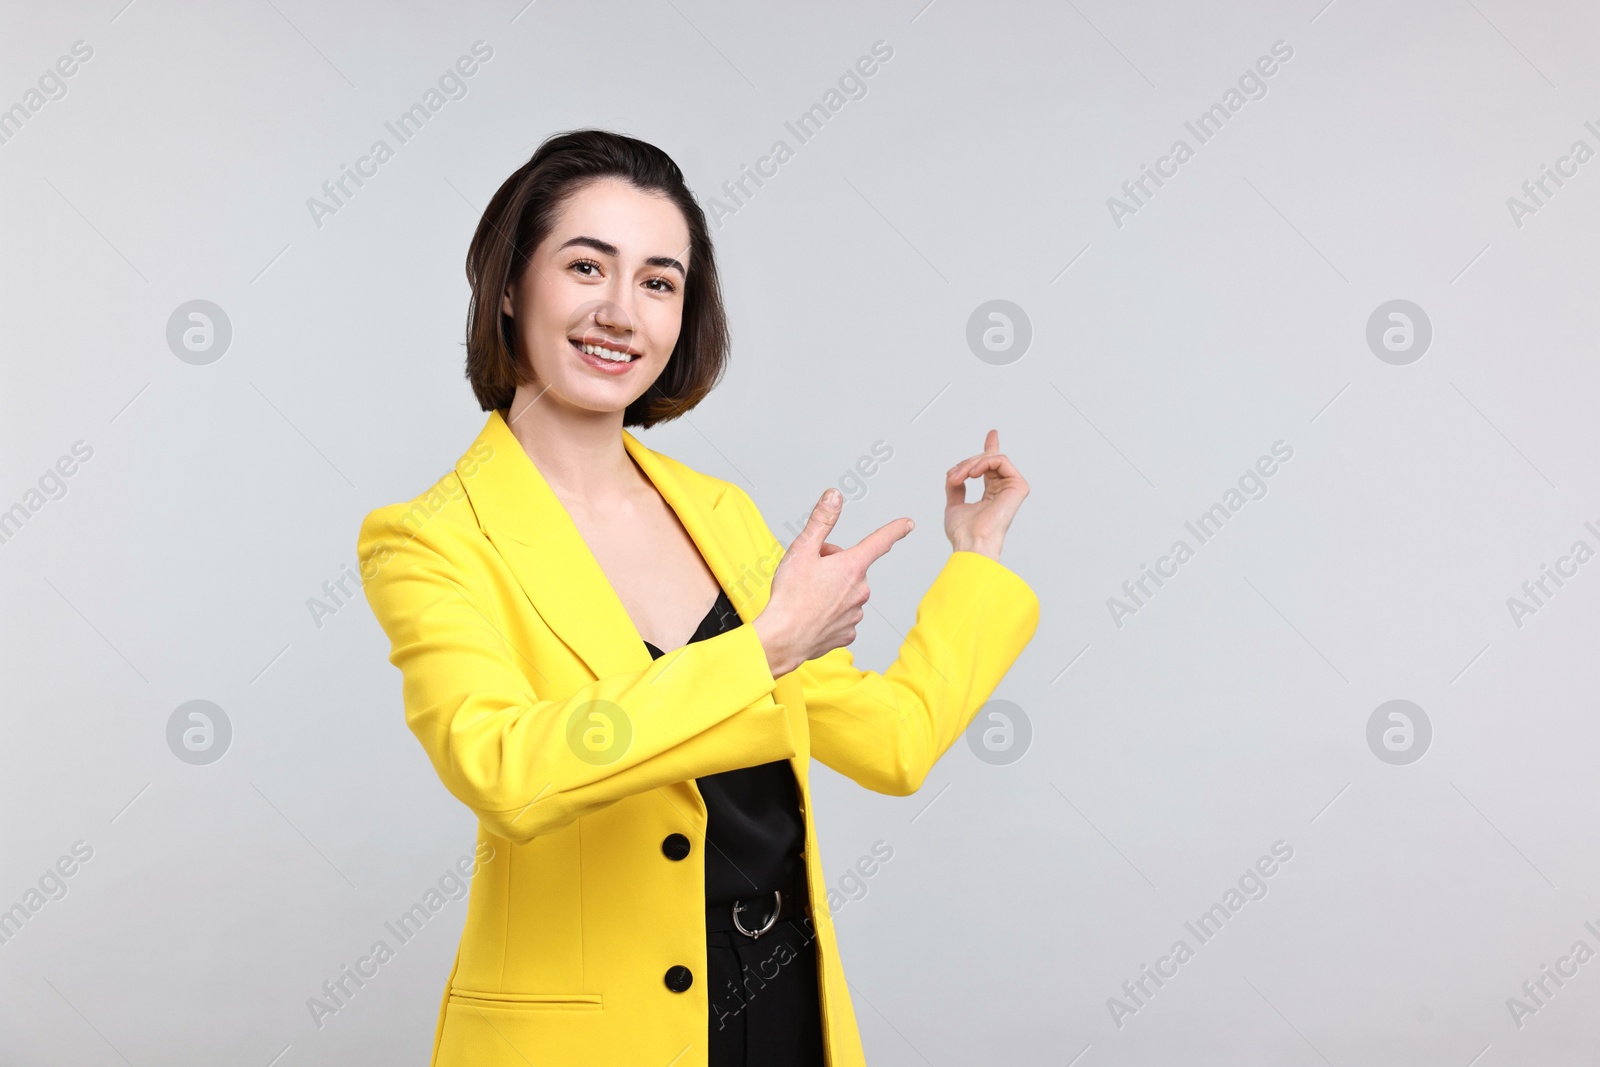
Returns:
(754, 832)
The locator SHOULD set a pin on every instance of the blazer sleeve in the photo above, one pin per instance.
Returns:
(886, 731)
(528, 765)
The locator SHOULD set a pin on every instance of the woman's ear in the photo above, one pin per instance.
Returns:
(507, 304)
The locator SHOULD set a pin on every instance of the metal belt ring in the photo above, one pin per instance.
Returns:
(777, 905)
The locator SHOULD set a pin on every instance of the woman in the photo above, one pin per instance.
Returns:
(611, 660)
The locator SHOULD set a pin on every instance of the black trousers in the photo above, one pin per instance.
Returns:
(765, 1009)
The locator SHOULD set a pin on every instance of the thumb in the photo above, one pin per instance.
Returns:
(820, 524)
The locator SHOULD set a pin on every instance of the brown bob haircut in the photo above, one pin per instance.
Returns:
(523, 212)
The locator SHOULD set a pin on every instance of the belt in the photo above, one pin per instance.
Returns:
(754, 916)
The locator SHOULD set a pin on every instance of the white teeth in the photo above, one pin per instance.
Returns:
(606, 353)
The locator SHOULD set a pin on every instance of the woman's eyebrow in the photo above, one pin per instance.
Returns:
(609, 249)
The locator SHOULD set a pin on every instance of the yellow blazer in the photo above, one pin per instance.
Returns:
(543, 712)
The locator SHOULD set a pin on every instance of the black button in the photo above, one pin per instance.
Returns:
(676, 846)
(679, 978)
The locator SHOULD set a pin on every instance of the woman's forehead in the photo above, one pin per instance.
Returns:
(634, 222)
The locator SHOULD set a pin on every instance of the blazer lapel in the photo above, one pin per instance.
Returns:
(535, 535)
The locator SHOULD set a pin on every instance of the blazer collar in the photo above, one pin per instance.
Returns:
(535, 535)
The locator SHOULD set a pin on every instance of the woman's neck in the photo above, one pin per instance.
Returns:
(580, 454)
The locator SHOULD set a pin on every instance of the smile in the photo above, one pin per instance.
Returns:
(619, 354)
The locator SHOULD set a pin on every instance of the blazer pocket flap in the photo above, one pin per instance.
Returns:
(523, 1001)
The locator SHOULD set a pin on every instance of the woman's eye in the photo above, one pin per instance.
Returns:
(588, 268)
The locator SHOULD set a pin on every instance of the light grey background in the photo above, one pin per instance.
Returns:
(1168, 353)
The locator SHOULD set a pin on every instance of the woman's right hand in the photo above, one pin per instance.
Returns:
(818, 589)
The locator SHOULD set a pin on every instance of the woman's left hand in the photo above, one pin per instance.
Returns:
(981, 525)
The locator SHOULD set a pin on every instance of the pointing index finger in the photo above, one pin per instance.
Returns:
(872, 547)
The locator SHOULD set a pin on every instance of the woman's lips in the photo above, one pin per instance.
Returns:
(600, 363)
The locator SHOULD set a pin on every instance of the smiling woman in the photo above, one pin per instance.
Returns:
(617, 277)
(599, 325)
(614, 664)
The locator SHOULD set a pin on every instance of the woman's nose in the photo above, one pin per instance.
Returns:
(611, 314)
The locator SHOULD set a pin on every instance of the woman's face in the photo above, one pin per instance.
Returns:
(610, 274)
